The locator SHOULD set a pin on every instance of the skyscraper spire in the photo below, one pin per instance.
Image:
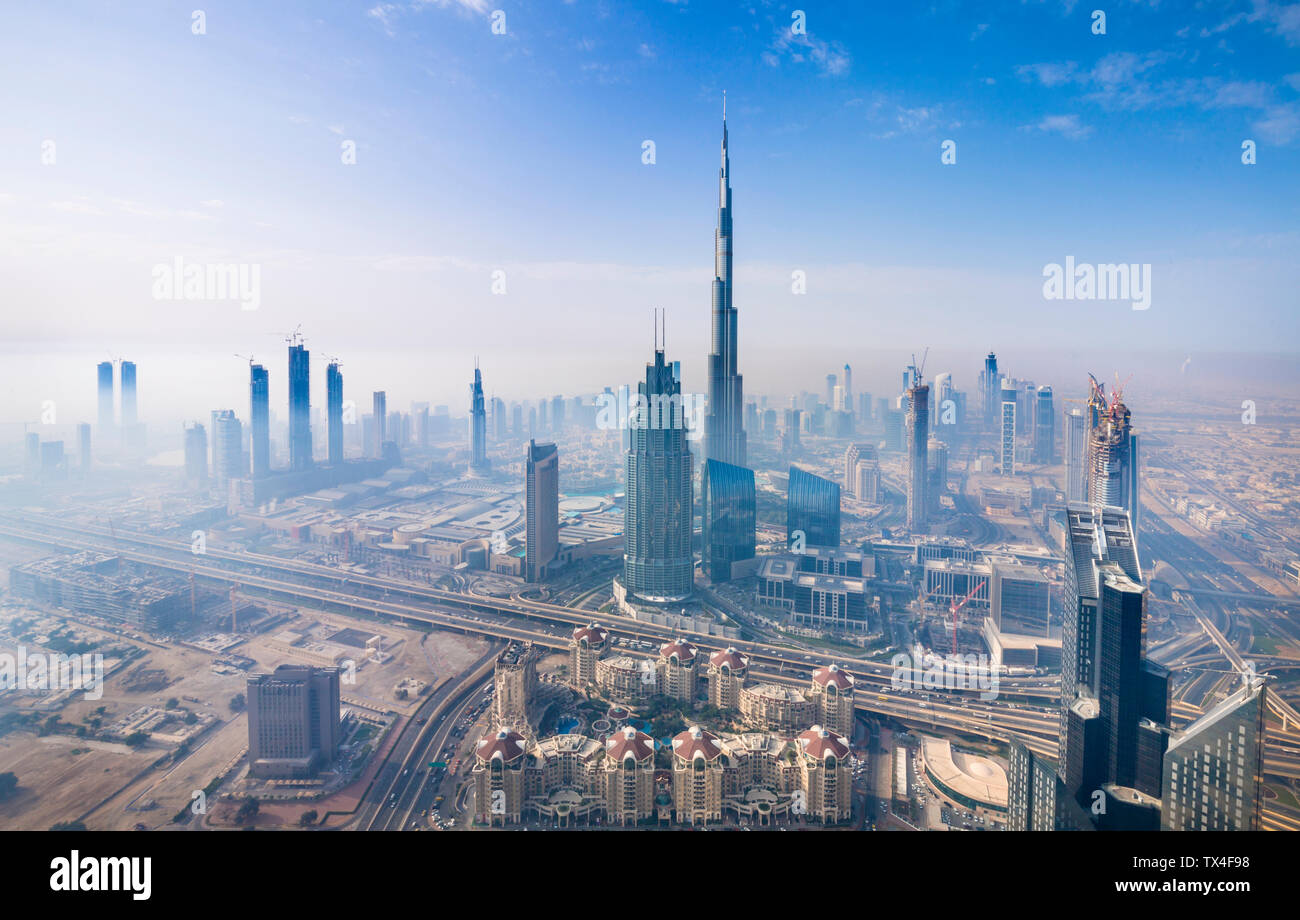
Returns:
(724, 431)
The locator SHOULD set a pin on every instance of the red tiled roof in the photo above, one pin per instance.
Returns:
(505, 744)
(594, 634)
(843, 680)
(681, 648)
(628, 742)
(818, 742)
(696, 742)
(730, 658)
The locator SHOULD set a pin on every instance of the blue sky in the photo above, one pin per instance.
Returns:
(521, 152)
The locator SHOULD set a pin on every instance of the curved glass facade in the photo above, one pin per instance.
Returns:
(813, 506)
(729, 517)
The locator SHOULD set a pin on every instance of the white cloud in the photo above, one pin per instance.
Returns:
(1065, 125)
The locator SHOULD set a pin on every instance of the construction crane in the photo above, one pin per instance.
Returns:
(295, 337)
(919, 372)
(248, 358)
(956, 609)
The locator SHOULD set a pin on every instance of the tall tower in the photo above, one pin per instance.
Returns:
(1112, 455)
(992, 390)
(1076, 481)
(104, 377)
(541, 509)
(658, 563)
(478, 461)
(259, 417)
(848, 389)
(1008, 441)
(1044, 427)
(724, 430)
(379, 401)
(299, 405)
(334, 412)
(918, 460)
(129, 403)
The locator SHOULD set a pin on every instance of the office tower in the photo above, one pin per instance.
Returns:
(1044, 427)
(658, 559)
(813, 508)
(106, 414)
(864, 407)
(848, 389)
(394, 430)
(31, 454)
(1019, 599)
(259, 419)
(557, 413)
(1031, 791)
(1008, 457)
(769, 424)
(516, 420)
(293, 721)
(534, 427)
(793, 425)
(918, 463)
(1213, 771)
(751, 417)
(478, 461)
(1114, 703)
(624, 400)
(130, 413)
(1121, 641)
(379, 400)
(541, 509)
(299, 407)
(852, 454)
(729, 517)
(831, 383)
(334, 413)
(52, 460)
(866, 477)
(991, 389)
(196, 454)
(724, 432)
(83, 446)
(938, 473)
(1112, 455)
(1076, 479)
(228, 436)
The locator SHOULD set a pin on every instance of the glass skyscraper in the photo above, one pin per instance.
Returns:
(918, 469)
(724, 431)
(104, 376)
(541, 509)
(299, 407)
(130, 404)
(658, 562)
(813, 508)
(334, 412)
(478, 461)
(1212, 771)
(259, 417)
(729, 517)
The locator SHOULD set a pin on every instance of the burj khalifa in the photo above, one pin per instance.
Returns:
(724, 432)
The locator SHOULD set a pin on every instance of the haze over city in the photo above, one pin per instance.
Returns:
(429, 417)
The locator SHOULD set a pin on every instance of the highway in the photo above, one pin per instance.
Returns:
(994, 720)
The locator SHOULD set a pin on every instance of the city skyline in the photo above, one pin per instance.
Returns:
(377, 441)
(1067, 143)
